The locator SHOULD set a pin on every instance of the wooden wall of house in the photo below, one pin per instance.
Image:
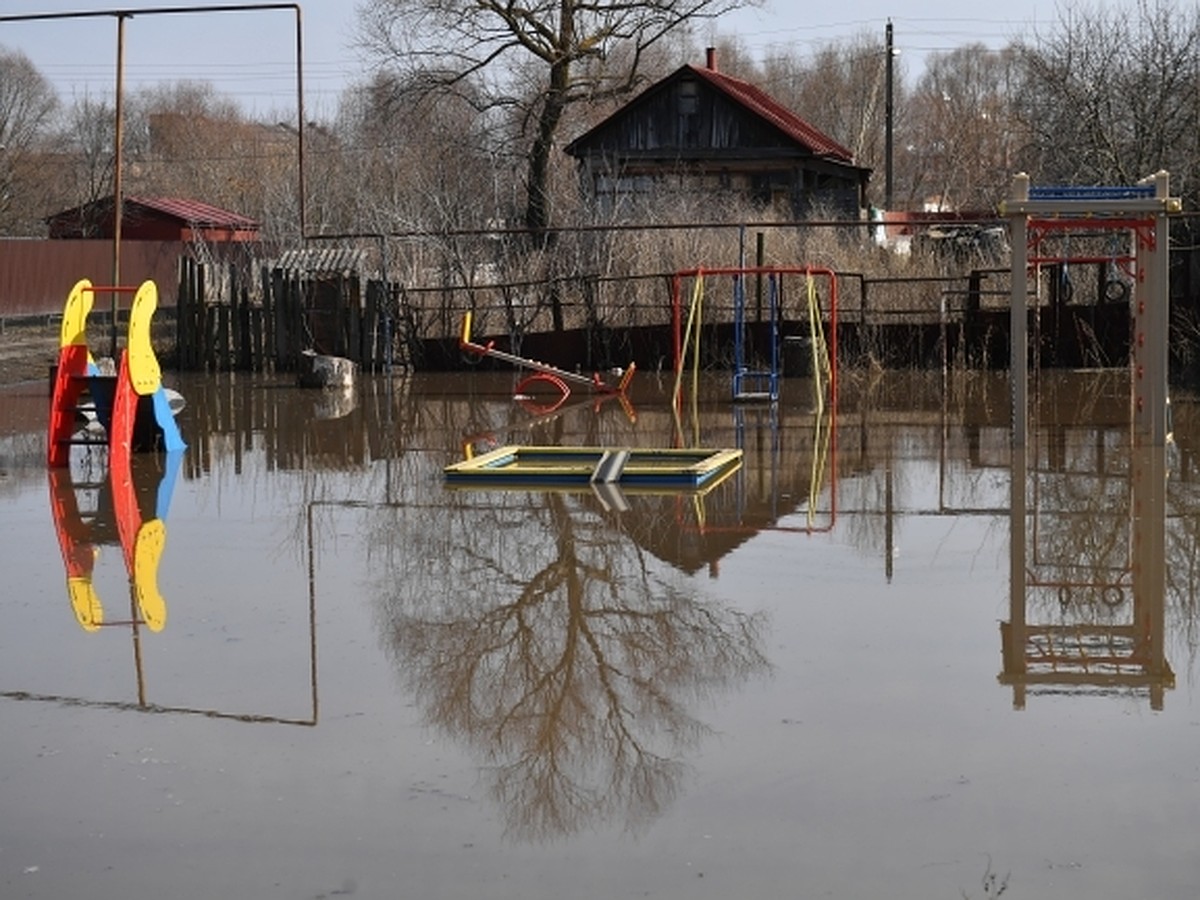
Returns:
(685, 124)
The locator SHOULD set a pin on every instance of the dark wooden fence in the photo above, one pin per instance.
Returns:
(234, 319)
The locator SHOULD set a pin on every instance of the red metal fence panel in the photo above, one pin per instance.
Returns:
(36, 274)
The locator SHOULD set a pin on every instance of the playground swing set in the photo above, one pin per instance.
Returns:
(758, 381)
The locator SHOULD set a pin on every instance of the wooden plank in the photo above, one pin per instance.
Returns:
(370, 334)
(222, 343)
(182, 306)
(254, 325)
(278, 319)
(267, 342)
(245, 342)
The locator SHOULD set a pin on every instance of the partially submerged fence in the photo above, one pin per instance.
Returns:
(228, 321)
(238, 319)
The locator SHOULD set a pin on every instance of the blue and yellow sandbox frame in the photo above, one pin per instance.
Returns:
(559, 466)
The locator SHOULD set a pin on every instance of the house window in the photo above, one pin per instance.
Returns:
(689, 99)
(689, 114)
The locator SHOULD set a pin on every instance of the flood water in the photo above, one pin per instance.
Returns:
(846, 670)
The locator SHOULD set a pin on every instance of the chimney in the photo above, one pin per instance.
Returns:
(710, 59)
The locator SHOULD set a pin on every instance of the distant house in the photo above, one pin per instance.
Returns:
(155, 219)
(700, 131)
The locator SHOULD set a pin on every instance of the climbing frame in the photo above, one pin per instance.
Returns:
(1141, 210)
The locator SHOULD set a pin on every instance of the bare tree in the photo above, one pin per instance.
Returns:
(571, 666)
(962, 128)
(1110, 97)
(537, 56)
(87, 171)
(418, 162)
(841, 89)
(185, 139)
(27, 108)
(190, 142)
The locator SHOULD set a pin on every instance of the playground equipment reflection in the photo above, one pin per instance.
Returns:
(1087, 589)
(129, 507)
(139, 530)
(131, 411)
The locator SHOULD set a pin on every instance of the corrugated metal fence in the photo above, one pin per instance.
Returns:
(35, 274)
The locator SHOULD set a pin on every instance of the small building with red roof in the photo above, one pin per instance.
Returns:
(701, 131)
(154, 219)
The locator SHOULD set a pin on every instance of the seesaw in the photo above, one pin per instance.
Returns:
(552, 375)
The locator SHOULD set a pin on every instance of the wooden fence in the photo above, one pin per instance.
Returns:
(232, 319)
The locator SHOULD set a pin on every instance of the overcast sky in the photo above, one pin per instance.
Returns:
(251, 56)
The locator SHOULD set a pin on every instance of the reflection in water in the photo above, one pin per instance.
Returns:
(562, 656)
(563, 642)
(1087, 571)
(128, 508)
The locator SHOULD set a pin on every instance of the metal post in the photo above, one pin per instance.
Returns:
(889, 117)
(1150, 297)
(122, 14)
(1149, 566)
(118, 194)
(1013, 633)
(1018, 314)
(300, 187)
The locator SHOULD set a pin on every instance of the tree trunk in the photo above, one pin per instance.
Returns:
(537, 214)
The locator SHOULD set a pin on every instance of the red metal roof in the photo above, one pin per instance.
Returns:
(781, 117)
(194, 212)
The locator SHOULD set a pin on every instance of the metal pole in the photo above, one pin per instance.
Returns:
(118, 195)
(760, 257)
(888, 120)
(1014, 635)
(121, 14)
(300, 126)
(1150, 298)
(1018, 314)
(1149, 564)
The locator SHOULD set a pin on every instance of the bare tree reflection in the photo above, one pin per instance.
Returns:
(546, 640)
(1083, 522)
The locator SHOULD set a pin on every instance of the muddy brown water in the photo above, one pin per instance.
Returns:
(847, 670)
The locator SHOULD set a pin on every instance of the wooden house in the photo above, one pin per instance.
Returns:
(701, 132)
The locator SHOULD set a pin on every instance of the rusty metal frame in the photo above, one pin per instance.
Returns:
(121, 15)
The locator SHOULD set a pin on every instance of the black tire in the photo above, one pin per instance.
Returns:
(1116, 290)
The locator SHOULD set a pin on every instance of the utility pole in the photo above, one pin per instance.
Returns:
(888, 116)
